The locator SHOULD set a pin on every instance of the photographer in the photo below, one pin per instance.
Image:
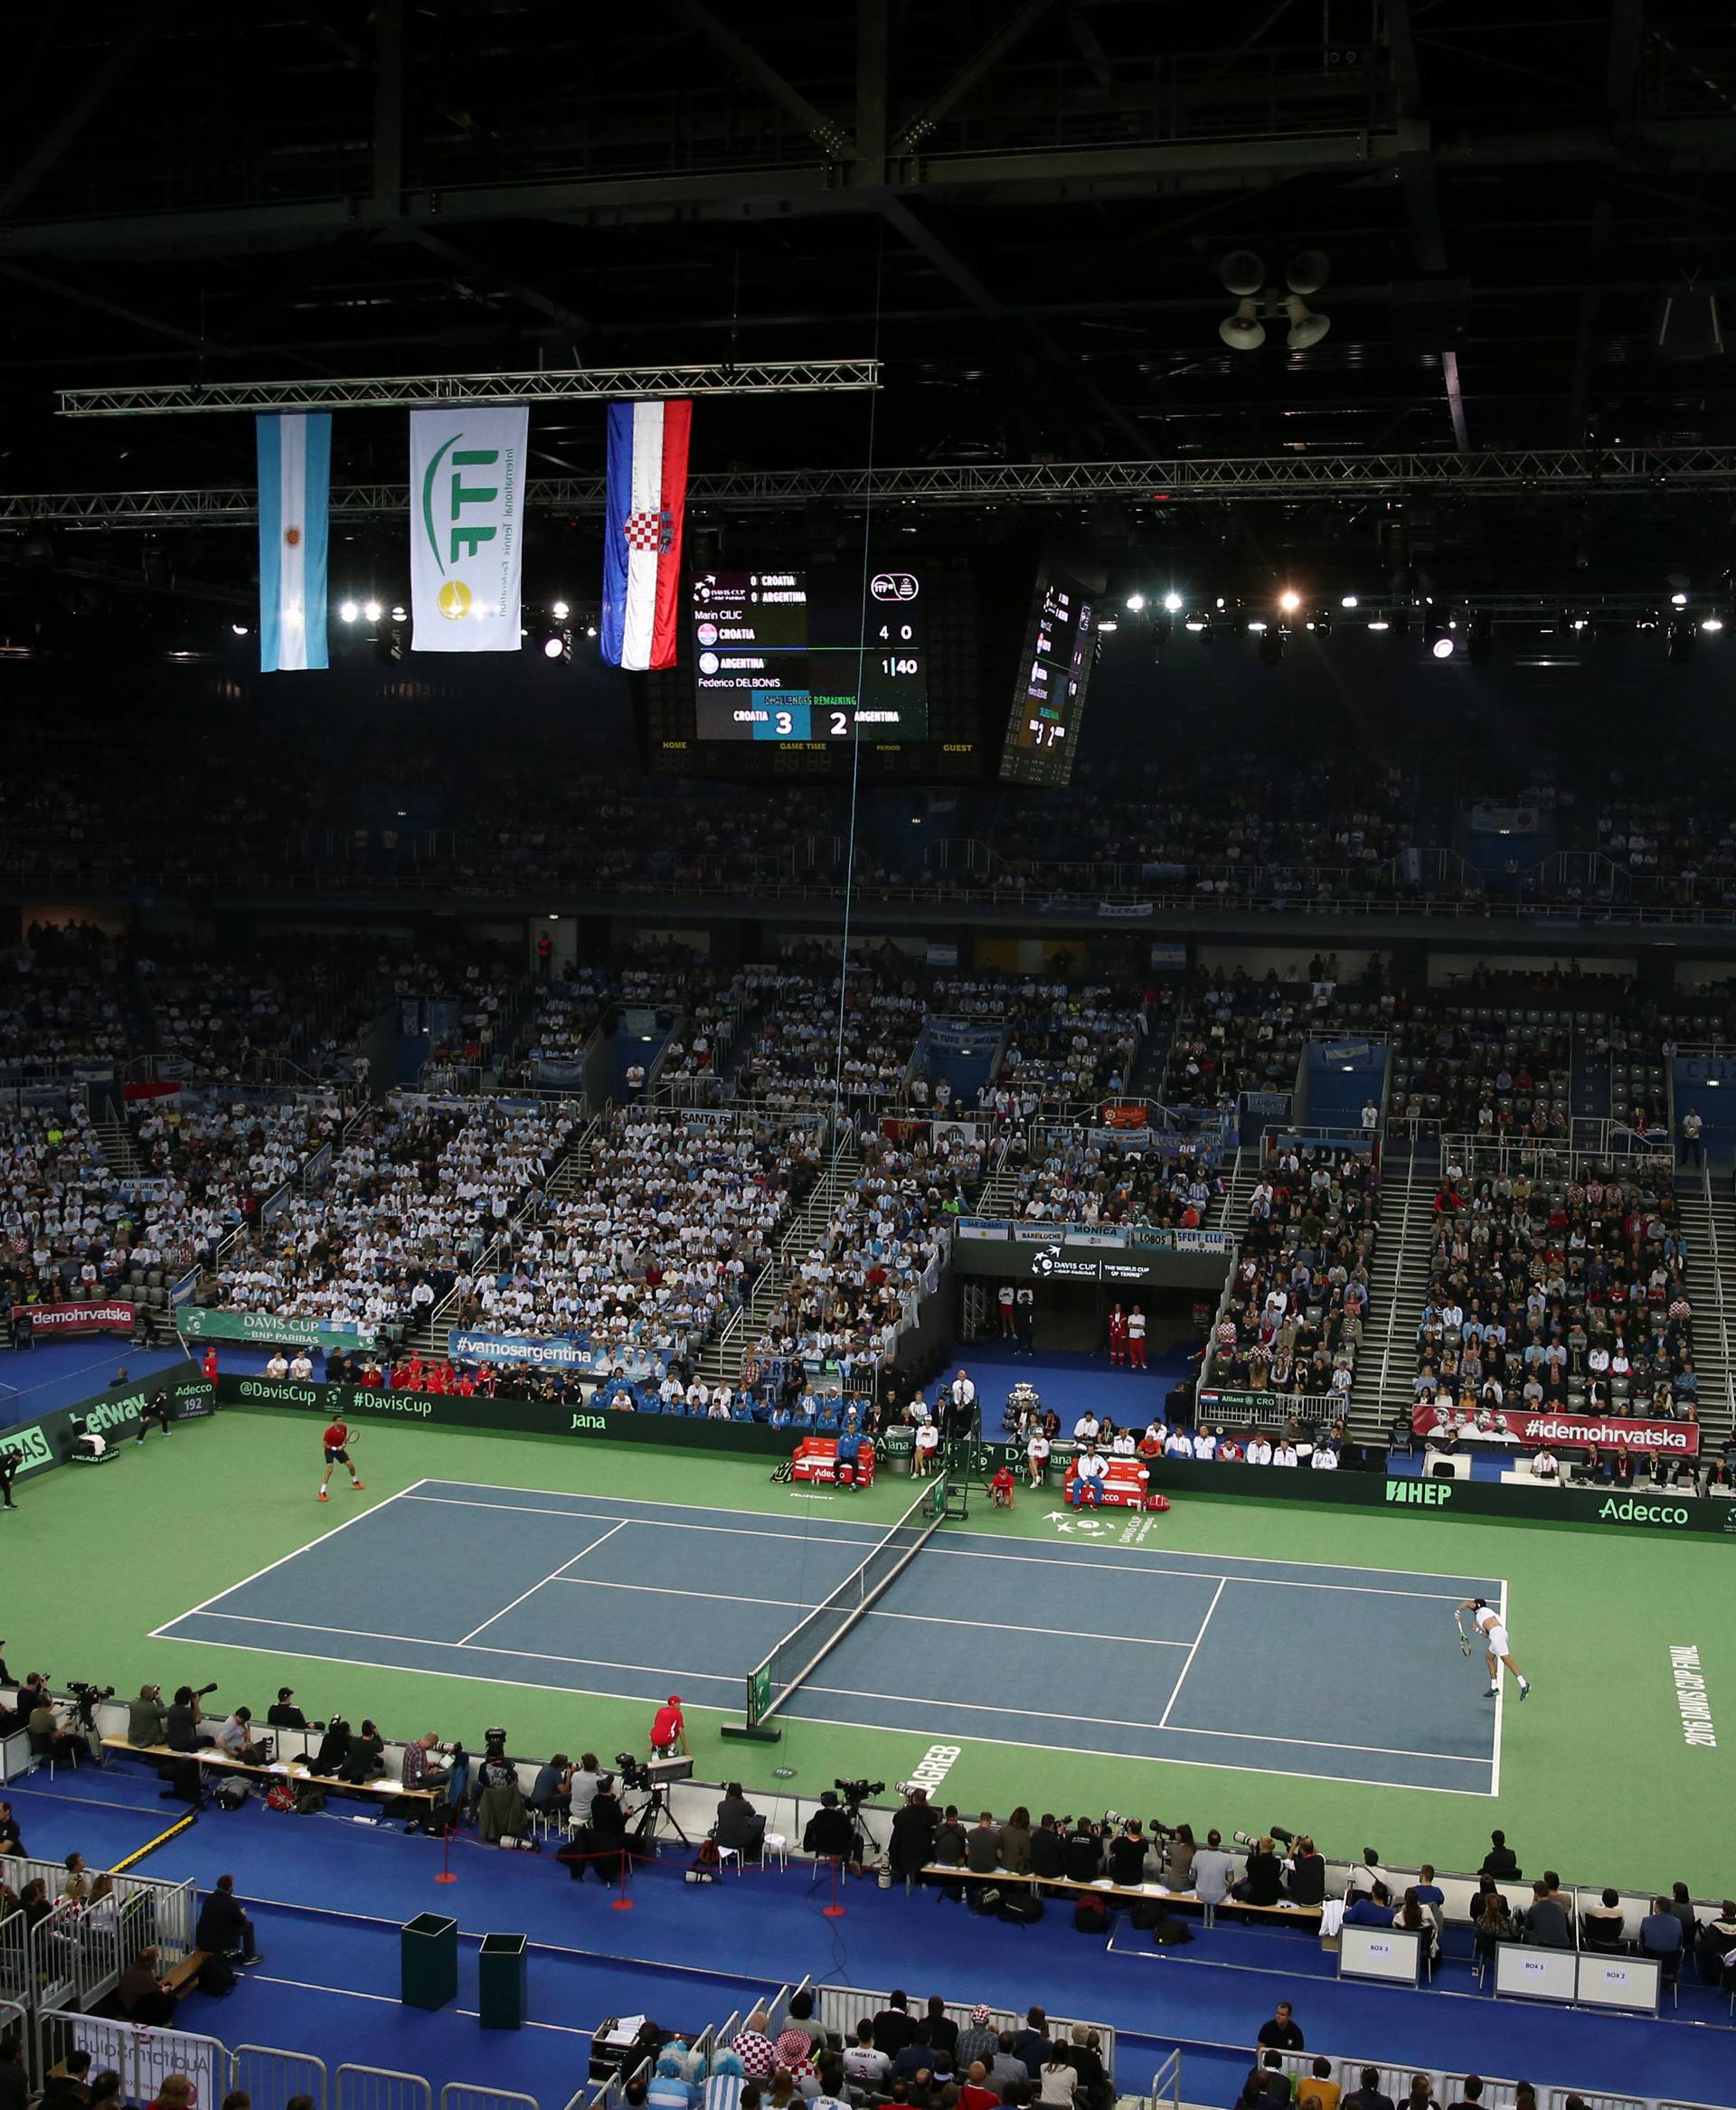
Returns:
(420, 1771)
(282, 1714)
(913, 1830)
(1305, 1874)
(365, 1759)
(604, 1838)
(1048, 1850)
(1083, 1859)
(180, 1724)
(738, 1823)
(147, 1721)
(1127, 1856)
(49, 1735)
(236, 1739)
(1262, 1881)
(500, 1804)
(334, 1749)
(548, 1790)
(830, 1834)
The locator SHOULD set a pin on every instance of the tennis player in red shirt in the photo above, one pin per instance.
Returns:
(337, 1453)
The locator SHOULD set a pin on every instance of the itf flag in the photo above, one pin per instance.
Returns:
(647, 498)
(295, 504)
(467, 527)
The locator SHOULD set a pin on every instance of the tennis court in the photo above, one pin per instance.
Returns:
(1276, 1667)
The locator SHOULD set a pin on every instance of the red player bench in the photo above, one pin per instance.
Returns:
(1126, 1485)
(816, 1459)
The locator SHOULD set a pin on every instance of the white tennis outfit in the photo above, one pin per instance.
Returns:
(1494, 1635)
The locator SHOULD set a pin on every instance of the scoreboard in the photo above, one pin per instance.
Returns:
(810, 655)
(1054, 671)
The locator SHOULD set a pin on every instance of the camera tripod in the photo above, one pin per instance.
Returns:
(645, 1831)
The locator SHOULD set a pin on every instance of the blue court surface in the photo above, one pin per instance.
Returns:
(1206, 1659)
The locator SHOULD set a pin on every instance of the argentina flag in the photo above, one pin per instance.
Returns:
(645, 505)
(295, 501)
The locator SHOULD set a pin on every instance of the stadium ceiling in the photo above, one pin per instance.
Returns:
(1019, 209)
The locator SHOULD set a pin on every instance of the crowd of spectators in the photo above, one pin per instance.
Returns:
(1297, 1303)
(1089, 1176)
(673, 1217)
(1546, 1294)
(411, 1198)
(1482, 1069)
(59, 1200)
(852, 1292)
(809, 1045)
(61, 1002)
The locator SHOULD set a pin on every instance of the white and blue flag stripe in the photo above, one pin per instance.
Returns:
(295, 506)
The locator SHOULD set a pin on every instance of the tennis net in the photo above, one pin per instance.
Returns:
(808, 1643)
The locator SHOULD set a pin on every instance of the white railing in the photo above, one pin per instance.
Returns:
(143, 2057)
(377, 2088)
(841, 2007)
(1396, 1295)
(1716, 1258)
(270, 2077)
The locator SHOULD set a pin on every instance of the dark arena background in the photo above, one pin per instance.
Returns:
(867, 1057)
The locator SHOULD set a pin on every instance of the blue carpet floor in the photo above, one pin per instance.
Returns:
(60, 1373)
(1068, 1381)
(328, 1895)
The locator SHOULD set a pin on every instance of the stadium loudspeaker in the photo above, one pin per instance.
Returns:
(1688, 327)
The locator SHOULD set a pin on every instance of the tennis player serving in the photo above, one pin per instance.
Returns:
(1499, 1649)
(338, 1440)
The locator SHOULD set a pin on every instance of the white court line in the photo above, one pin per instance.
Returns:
(838, 1527)
(1500, 1701)
(585, 1582)
(1163, 1721)
(1145, 1568)
(1114, 1722)
(646, 1523)
(464, 1640)
(533, 1655)
(1262, 1582)
(360, 1516)
(390, 2000)
(826, 1720)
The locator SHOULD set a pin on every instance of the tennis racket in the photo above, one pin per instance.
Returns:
(1463, 1643)
(349, 1441)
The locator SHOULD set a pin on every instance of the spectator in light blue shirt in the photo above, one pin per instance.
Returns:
(669, 2090)
(728, 2077)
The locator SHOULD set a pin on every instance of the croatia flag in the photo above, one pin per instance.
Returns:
(295, 504)
(647, 497)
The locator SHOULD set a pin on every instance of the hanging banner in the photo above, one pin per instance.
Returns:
(295, 505)
(642, 515)
(467, 549)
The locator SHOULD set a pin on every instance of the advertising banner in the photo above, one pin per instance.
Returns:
(271, 1329)
(466, 496)
(546, 1351)
(47, 1442)
(1676, 1439)
(71, 1318)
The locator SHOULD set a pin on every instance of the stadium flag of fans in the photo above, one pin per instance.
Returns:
(647, 500)
(294, 505)
(466, 538)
